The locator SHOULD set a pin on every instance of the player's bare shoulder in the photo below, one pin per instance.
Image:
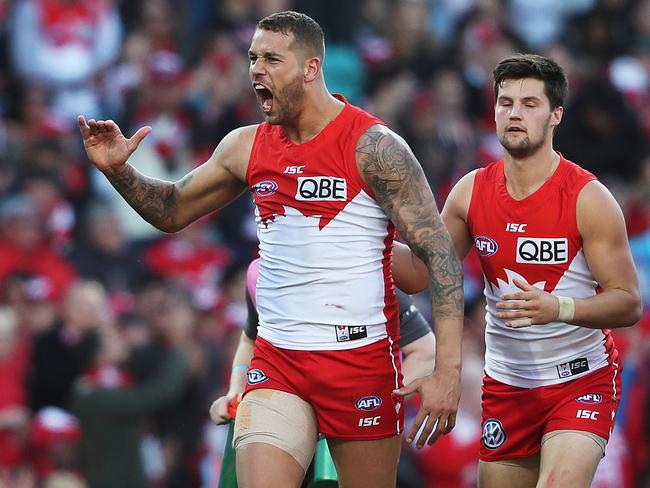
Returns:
(234, 150)
(386, 163)
(597, 210)
(460, 196)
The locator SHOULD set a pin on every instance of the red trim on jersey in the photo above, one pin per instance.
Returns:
(610, 347)
(251, 159)
(391, 307)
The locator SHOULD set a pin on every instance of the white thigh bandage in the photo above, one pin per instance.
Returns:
(280, 419)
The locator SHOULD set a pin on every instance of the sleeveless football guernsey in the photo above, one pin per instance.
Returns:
(325, 244)
(535, 240)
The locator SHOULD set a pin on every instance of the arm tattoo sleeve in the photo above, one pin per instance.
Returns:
(395, 176)
(153, 199)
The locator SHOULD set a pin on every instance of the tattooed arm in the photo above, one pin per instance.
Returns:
(169, 206)
(390, 169)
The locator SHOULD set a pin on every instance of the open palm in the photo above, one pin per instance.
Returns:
(105, 144)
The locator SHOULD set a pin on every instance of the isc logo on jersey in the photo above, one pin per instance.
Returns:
(323, 188)
(532, 250)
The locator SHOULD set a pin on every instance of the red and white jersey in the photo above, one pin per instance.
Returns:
(325, 244)
(537, 241)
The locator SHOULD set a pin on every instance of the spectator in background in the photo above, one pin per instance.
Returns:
(114, 400)
(65, 43)
(65, 480)
(24, 248)
(550, 18)
(31, 119)
(600, 33)
(54, 438)
(33, 301)
(441, 133)
(179, 423)
(45, 189)
(14, 414)
(190, 257)
(217, 92)
(62, 354)
(102, 253)
(602, 132)
(413, 45)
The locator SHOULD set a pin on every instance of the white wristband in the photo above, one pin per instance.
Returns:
(567, 309)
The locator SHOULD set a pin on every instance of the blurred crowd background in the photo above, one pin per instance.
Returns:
(115, 338)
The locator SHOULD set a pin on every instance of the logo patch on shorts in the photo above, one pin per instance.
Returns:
(494, 435)
(350, 332)
(368, 403)
(590, 399)
(256, 376)
(572, 368)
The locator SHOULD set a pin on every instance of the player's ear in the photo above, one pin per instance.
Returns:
(556, 116)
(312, 68)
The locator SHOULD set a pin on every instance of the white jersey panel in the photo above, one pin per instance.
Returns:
(540, 355)
(312, 280)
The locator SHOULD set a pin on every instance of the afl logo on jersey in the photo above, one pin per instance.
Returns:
(265, 188)
(486, 246)
(494, 434)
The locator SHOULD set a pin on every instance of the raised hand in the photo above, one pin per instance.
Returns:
(105, 144)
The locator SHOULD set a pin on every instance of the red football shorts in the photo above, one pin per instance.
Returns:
(350, 390)
(515, 419)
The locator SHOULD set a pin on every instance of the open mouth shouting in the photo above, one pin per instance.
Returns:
(264, 97)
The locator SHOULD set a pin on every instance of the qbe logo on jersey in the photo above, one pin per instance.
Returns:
(542, 250)
(323, 188)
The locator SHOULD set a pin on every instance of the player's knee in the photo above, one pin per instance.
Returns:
(279, 419)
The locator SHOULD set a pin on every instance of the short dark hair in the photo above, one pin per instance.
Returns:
(537, 67)
(305, 30)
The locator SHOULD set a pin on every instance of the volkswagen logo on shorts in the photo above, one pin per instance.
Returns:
(486, 246)
(265, 188)
(590, 398)
(368, 403)
(493, 434)
(256, 376)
